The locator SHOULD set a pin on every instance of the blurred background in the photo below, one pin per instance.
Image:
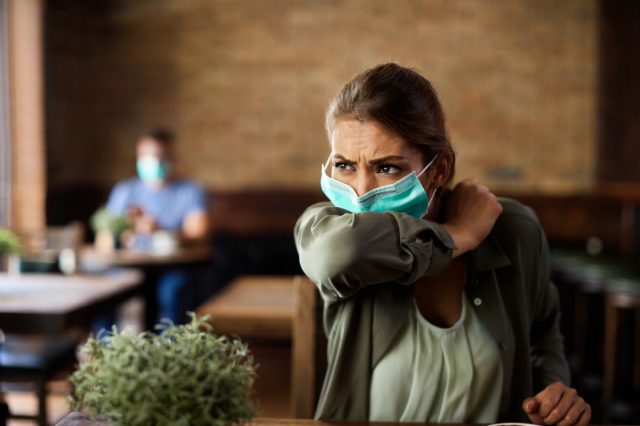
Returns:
(245, 85)
(542, 99)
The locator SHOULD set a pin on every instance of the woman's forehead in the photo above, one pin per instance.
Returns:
(356, 138)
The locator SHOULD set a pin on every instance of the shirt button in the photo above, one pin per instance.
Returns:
(477, 301)
(503, 345)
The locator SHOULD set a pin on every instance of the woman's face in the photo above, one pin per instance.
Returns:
(364, 155)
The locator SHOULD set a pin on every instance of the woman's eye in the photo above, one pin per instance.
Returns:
(342, 166)
(388, 169)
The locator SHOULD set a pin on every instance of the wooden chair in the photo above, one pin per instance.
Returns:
(581, 279)
(253, 307)
(309, 361)
(277, 309)
(35, 360)
(622, 294)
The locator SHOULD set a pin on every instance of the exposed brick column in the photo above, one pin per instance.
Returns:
(26, 109)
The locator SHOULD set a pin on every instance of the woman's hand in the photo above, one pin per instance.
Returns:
(559, 405)
(470, 212)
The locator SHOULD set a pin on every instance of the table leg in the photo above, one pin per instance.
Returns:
(580, 335)
(611, 331)
(4, 407)
(150, 300)
(636, 367)
(4, 410)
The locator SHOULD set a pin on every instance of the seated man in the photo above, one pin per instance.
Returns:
(157, 200)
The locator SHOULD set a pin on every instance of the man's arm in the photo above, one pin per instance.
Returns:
(195, 227)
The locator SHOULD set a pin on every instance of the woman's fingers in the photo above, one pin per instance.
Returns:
(549, 398)
(561, 409)
(585, 417)
(531, 407)
(559, 405)
(578, 413)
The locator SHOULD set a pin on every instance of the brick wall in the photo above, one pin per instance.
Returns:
(245, 83)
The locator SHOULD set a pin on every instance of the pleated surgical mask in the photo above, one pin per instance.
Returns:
(404, 196)
(152, 169)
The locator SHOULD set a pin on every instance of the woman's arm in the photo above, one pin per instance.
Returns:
(343, 252)
(555, 402)
(547, 348)
(470, 211)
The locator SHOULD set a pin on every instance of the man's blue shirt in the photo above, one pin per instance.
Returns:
(169, 204)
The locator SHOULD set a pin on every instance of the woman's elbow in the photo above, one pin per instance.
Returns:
(332, 266)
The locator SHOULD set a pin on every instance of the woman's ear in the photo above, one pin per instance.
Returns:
(442, 168)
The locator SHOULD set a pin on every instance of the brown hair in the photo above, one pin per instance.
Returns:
(402, 101)
(158, 134)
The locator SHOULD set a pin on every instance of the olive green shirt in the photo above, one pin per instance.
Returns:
(365, 265)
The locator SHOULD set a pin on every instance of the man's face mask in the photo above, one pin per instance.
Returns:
(152, 169)
(404, 196)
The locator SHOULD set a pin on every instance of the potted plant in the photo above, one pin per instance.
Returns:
(108, 228)
(10, 249)
(184, 375)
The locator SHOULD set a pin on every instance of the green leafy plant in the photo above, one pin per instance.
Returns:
(185, 375)
(103, 220)
(9, 242)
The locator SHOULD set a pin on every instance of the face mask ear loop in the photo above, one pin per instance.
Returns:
(428, 165)
(325, 165)
(433, 196)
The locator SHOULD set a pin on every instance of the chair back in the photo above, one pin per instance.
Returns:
(309, 344)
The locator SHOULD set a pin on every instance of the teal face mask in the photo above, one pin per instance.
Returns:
(405, 196)
(152, 169)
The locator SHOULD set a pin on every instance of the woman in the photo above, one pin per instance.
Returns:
(437, 302)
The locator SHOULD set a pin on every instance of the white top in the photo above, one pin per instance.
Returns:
(440, 375)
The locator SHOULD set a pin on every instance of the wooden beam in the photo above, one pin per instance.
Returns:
(26, 111)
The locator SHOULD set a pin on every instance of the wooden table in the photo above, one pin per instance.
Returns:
(78, 419)
(151, 263)
(53, 303)
(253, 306)
(89, 256)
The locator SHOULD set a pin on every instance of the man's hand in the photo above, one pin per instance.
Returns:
(470, 212)
(559, 405)
(145, 224)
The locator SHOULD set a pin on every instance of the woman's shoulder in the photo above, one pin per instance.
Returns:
(514, 209)
(518, 222)
(516, 213)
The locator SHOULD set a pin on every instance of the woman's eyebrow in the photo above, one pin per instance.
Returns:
(386, 159)
(338, 157)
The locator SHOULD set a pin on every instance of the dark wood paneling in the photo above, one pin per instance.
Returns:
(610, 213)
(619, 97)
